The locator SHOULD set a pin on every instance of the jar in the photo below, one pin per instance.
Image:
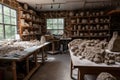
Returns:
(77, 14)
(31, 11)
(79, 27)
(101, 20)
(74, 34)
(105, 26)
(91, 21)
(96, 20)
(97, 13)
(100, 34)
(28, 16)
(26, 24)
(81, 13)
(91, 34)
(71, 14)
(30, 23)
(86, 27)
(97, 26)
(81, 34)
(74, 27)
(78, 20)
(101, 12)
(83, 28)
(22, 22)
(101, 27)
(87, 13)
(93, 14)
(77, 33)
(84, 21)
(72, 21)
(31, 32)
(91, 27)
(25, 6)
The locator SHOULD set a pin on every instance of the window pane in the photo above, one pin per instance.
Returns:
(55, 21)
(6, 10)
(6, 19)
(61, 21)
(49, 21)
(55, 26)
(49, 26)
(14, 32)
(1, 32)
(13, 13)
(61, 26)
(8, 32)
(13, 21)
(1, 20)
(0, 8)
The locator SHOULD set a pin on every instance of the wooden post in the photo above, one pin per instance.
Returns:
(14, 70)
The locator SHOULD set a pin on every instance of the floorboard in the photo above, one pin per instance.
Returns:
(57, 67)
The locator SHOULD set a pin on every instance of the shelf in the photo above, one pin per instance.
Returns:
(79, 30)
(80, 36)
(30, 27)
(29, 34)
(99, 36)
(100, 23)
(99, 30)
(26, 11)
(79, 23)
(33, 22)
(99, 16)
(72, 17)
(79, 17)
(91, 23)
(26, 19)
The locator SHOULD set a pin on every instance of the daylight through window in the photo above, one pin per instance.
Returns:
(55, 26)
(8, 22)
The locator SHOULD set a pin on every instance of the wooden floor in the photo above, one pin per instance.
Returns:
(57, 67)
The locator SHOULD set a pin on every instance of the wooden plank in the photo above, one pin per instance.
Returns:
(31, 72)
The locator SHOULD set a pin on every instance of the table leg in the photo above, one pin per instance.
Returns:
(27, 65)
(14, 70)
(42, 56)
(35, 55)
(71, 70)
(80, 75)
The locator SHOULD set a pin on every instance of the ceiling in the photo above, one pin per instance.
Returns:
(47, 5)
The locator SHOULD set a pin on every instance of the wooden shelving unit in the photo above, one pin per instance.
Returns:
(29, 24)
(10, 3)
(90, 25)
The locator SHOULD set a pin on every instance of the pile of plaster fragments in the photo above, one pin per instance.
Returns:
(93, 50)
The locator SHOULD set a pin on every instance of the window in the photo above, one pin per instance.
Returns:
(55, 26)
(8, 22)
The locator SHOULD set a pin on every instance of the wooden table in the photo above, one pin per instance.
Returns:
(87, 67)
(25, 55)
(64, 44)
(53, 51)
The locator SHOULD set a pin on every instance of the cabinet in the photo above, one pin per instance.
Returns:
(29, 24)
(91, 25)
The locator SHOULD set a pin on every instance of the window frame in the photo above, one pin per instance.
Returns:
(58, 24)
(11, 24)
